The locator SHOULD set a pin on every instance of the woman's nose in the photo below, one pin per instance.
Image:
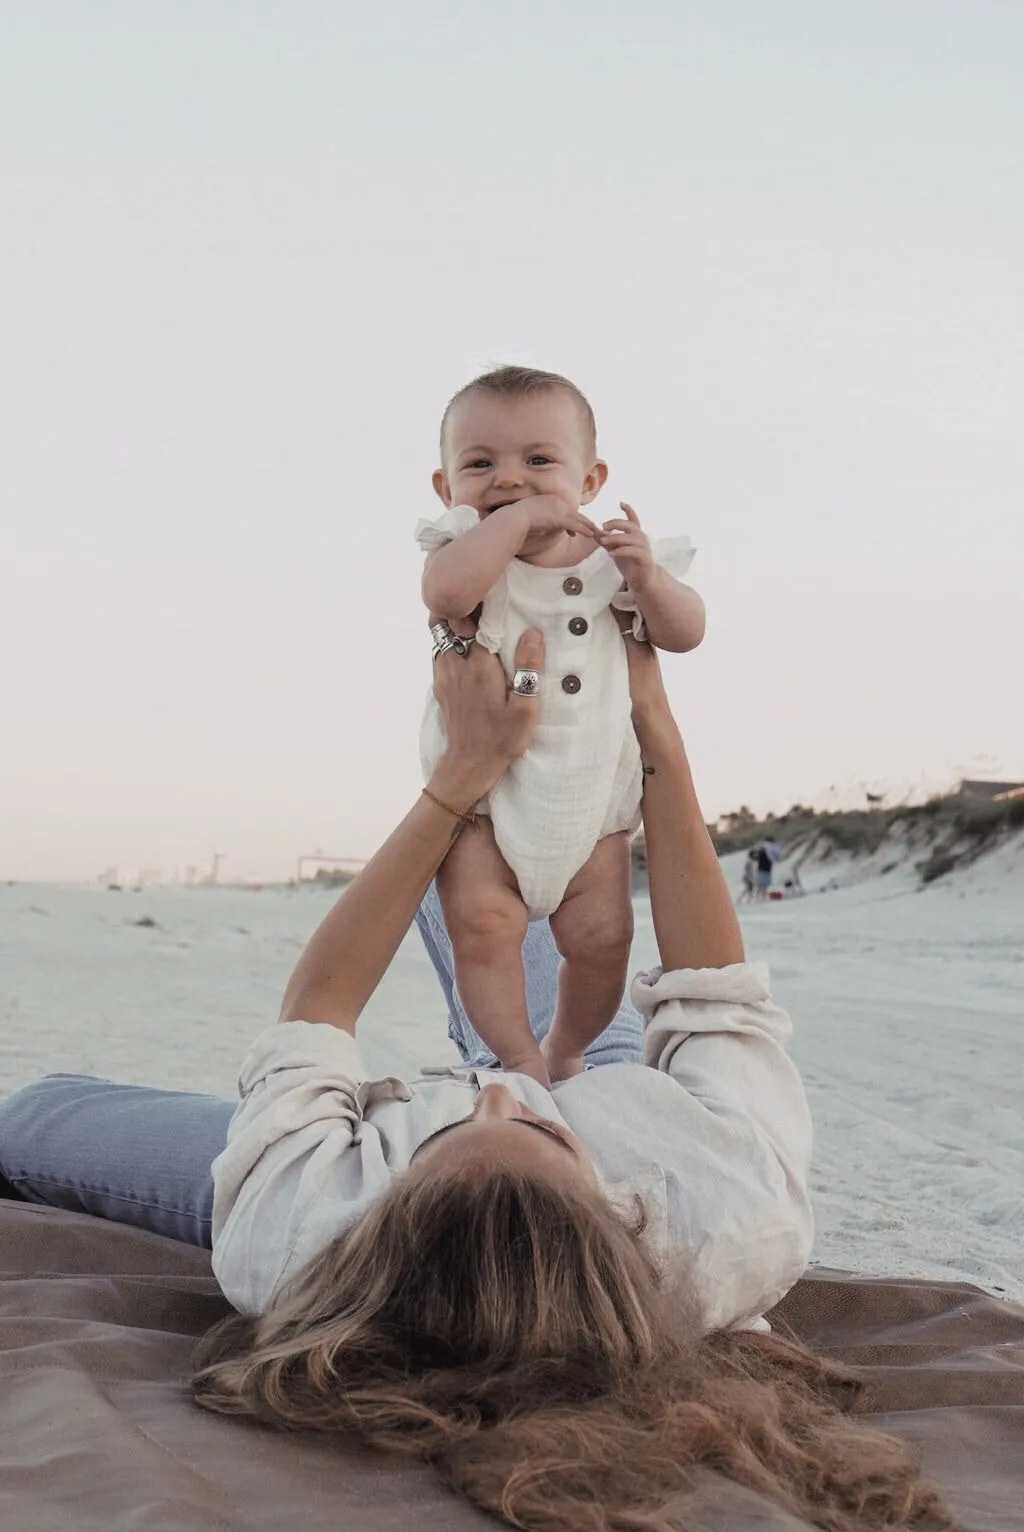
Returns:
(496, 1101)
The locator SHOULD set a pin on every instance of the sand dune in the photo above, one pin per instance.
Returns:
(909, 1007)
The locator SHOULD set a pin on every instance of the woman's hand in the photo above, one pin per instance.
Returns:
(646, 687)
(488, 725)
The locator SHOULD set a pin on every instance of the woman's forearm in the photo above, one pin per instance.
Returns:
(348, 954)
(694, 920)
(488, 726)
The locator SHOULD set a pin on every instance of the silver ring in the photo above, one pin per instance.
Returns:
(447, 641)
(442, 635)
(526, 683)
(444, 638)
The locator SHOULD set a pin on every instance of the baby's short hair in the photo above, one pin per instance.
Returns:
(513, 383)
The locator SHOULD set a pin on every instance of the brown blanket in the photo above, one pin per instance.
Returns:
(97, 1430)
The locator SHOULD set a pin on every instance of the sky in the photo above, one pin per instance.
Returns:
(248, 252)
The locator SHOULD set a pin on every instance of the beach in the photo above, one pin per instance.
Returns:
(908, 1007)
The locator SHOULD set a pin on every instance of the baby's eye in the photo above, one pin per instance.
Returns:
(478, 462)
(539, 458)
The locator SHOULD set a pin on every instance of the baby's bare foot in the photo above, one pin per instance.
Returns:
(530, 1062)
(561, 1065)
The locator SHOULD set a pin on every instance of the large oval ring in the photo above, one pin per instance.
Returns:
(526, 683)
(462, 643)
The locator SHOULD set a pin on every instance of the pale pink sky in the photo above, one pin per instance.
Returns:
(249, 252)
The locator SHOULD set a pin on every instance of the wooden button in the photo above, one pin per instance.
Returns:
(578, 626)
(571, 684)
(573, 586)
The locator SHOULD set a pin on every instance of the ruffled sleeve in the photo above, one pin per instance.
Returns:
(674, 554)
(453, 523)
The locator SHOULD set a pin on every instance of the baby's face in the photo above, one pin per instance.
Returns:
(499, 449)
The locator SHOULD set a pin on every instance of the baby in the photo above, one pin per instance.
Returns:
(515, 548)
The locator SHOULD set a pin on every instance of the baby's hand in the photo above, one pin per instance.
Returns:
(546, 514)
(627, 544)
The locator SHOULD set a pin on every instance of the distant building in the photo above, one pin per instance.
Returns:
(315, 866)
(972, 788)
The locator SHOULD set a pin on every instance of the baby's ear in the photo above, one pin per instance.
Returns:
(594, 482)
(441, 487)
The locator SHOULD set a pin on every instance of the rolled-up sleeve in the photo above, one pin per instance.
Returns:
(720, 1037)
(303, 1089)
(717, 1032)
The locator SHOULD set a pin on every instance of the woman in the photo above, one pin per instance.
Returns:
(552, 1295)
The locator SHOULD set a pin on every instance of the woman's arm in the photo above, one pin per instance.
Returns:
(487, 727)
(694, 920)
(712, 1028)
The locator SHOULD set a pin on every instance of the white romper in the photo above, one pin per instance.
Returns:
(580, 779)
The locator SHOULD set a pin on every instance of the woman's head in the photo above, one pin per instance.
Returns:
(503, 1133)
(515, 1331)
(459, 1270)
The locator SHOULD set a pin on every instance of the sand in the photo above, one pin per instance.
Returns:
(908, 1004)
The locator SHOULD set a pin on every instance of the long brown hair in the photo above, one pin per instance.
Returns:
(522, 1338)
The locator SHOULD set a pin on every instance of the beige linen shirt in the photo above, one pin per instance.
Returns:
(712, 1130)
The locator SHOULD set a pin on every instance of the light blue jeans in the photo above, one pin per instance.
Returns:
(142, 1156)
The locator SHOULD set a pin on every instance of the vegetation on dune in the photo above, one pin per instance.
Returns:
(951, 831)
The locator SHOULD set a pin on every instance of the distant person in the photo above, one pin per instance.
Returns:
(768, 853)
(749, 876)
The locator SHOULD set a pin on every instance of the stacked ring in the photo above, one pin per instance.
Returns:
(447, 641)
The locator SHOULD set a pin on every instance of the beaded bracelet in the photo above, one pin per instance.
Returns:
(467, 819)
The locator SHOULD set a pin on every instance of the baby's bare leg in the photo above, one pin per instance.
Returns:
(486, 920)
(593, 930)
